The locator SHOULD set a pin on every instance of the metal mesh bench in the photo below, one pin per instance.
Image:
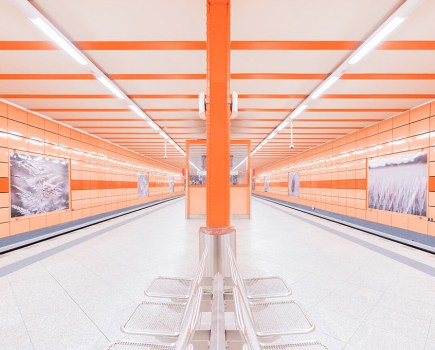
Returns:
(154, 318)
(246, 327)
(170, 287)
(162, 322)
(270, 317)
(128, 345)
(311, 345)
(174, 287)
(261, 287)
(131, 345)
(164, 319)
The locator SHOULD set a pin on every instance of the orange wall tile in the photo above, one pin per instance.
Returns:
(103, 176)
(338, 182)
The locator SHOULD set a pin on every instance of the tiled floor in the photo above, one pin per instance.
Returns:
(362, 292)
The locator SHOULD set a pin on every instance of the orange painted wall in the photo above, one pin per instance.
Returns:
(103, 176)
(334, 175)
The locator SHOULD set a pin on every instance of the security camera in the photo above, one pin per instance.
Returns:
(292, 146)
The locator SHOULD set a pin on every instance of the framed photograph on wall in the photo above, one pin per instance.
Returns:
(171, 184)
(38, 184)
(398, 183)
(294, 184)
(143, 184)
(266, 183)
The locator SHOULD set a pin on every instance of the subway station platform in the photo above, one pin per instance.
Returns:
(74, 291)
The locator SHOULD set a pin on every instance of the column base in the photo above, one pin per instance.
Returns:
(218, 240)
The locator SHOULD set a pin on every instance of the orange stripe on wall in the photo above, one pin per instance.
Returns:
(103, 184)
(100, 184)
(4, 185)
(352, 184)
(432, 184)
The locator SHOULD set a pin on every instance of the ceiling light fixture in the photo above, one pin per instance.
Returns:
(272, 135)
(193, 164)
(298, 111)
(163, 134)
(325, 86)
(109, 84)
(138, 111)
(380, 34)
(282, 125)
(59, 40)
(238, 165)
(375, 40)
(153, 125)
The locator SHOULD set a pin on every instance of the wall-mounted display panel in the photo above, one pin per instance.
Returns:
(38, 184)
(171, 184)
(398, 183)
(143, 184)
(266, 183)
(294, 184)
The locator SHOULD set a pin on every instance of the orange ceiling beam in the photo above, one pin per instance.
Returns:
(98, 96)
(328, 45)
(378, 96)
(173, 76)
(104, 119)
(267, 110)
(348, 76)
(388, 76)
(287, 76)
(340, 96)
(238, 76)
(201, 45)
(141, 45)
(340, 120)
(112, 110)
(241, 96)
(47, 77)
(324, 110)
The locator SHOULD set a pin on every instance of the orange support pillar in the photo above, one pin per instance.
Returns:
(218, 113)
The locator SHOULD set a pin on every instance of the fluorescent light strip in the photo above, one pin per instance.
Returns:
(108, 84)
(59, 40)
(192, 164)
(282, 125)
(138, 111)
(298, 111)
(272, 135)
(325, 86)
(51, 31)
(163, 134)
(153, 125)
(376, 39)
(243, 161)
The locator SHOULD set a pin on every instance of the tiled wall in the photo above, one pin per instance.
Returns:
(103, 177)
(334, 175)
